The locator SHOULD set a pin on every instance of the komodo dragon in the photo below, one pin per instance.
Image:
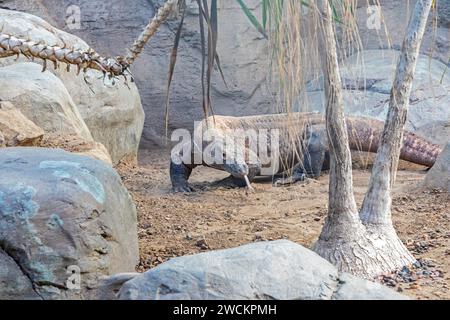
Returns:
(303, 147)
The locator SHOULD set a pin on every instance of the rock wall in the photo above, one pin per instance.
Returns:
(429, 112)
(111, 26)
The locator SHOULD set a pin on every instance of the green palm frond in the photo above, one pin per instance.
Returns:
(254, 21)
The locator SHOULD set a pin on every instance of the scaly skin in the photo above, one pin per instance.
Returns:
(289, 126)
(303, 146)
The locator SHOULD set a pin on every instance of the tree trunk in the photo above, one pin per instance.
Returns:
(376, 209)
(365, 245)
(377, 203)
(343, 233)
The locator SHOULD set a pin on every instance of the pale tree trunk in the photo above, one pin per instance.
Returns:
(343, 233)
(365, 245)
(377, 203)
(376, 210)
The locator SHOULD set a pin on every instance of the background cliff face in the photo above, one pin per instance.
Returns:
(111, 26)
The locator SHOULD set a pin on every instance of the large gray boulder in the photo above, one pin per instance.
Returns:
(42, 98)
(112, 111)
(439, 175)
(428, 115)
(16, 129)
(62, 216)
(264, 270)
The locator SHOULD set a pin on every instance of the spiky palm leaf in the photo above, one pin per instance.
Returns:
(84, 59)
(89, 59)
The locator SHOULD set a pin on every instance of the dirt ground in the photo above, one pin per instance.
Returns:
(215, 217)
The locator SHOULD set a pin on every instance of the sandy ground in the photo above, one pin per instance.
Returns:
(215, 217)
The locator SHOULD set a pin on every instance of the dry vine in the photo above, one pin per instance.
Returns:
(84, 59)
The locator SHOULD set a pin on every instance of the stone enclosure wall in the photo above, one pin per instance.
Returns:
(111, 26)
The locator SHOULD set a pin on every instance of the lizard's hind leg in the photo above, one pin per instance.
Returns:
(298, 174)
(311, 167)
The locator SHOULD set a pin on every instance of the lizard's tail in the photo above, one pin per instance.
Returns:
(418, 150)
(364, 135)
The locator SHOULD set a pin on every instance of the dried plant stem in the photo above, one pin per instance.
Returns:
(84, 59)
(150, 30)
(89, 59)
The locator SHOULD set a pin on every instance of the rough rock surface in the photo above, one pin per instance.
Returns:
(42, 98)
(439, 176)
(76, 144)
(16, 129)
(396, 14)
(428, 115)
(14, 283)
(263, 270)
(59, 213)
(113, 112)
(111, 27)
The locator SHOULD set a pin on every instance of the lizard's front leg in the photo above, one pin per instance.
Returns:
(179, 175)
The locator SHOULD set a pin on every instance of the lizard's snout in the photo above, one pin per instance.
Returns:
(237, 170)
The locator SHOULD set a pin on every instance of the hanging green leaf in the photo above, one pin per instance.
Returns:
(254, 21)
(265, 8)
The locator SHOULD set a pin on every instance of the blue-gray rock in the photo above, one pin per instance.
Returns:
(13, 282)
(65, 221)
(263, 270)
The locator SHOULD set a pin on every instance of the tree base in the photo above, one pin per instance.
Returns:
(363, 251)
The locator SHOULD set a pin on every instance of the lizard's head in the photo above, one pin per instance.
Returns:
(240, 169)
(236, 169)
(240, 161)
(230, 159)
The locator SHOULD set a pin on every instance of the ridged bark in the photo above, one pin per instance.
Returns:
(343, 236)
(377, 203)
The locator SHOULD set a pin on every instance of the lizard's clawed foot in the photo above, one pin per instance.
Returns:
(290, 180)
(231, 182)
(182, 189)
